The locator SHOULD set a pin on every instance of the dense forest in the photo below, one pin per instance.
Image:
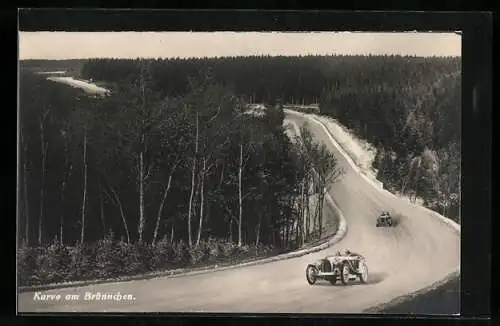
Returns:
(407, 107)
(142, 180)
(171, 170)
(410, 111)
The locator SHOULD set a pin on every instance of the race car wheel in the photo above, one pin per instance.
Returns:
(344, 275)
(311, 273)
(363, 272)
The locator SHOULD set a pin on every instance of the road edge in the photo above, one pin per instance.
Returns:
(339, 234)
(379, 186)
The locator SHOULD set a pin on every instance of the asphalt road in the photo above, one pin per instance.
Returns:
(419, 251)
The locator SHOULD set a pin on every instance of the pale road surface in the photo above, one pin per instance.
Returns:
(418, 252)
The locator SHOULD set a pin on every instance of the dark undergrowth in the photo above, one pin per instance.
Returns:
(111, 259)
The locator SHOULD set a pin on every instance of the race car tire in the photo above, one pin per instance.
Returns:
(344, 273)
(363, 275)
(333, 280)
(311, 272)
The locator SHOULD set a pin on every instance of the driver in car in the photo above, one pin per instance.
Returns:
(336, 254)
(349, 253)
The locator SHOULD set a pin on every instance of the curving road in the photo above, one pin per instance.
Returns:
(420, 251)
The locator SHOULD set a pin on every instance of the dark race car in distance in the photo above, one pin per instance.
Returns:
(385, 219)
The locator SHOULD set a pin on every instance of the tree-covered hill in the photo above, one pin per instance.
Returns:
(410, 110)
(408, 107)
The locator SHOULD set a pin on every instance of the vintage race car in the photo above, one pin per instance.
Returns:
(384, 219)
(344, 267)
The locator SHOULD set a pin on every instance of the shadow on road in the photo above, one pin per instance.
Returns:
(397, 219)
(373, 278)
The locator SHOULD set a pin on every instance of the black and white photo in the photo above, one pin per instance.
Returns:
(239, 172)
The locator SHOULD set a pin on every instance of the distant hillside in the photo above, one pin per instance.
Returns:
(73, 67)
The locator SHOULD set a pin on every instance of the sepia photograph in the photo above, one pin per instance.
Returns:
(239, 172)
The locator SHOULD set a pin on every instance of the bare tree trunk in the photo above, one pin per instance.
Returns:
(296, 205)
(190, 209)
(316, 212)
(292, 232)
(172, 233)
(122, 213)
(142, 219)
(202, 202)
(221, 176)
(240, 199)
(317, 191)
(63, 190)
(308, 209)
(25, 190)
(196, 196)
(288, 228)
(231, 230)
(273, 237)
(286, 225)
(44, 147)
(299, 218)
(61, 223)
(101, 207)
(160, 209)
(287, 234)
(405, 180)
(408, 177)
(67, 173)
(320, 219)
(303, 211)
(84, 201)
(257, 230)
(416, 184)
